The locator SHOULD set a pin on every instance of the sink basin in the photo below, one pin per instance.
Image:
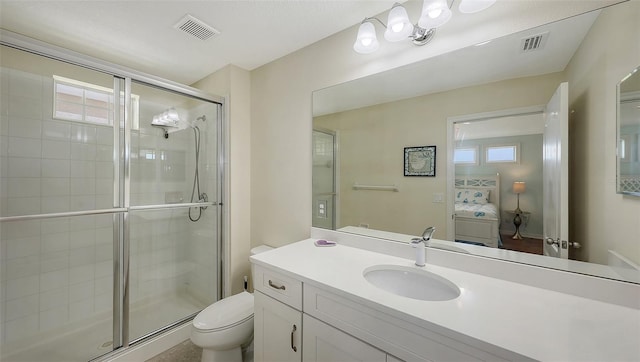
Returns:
(411, 283)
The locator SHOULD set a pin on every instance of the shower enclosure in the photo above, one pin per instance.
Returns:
(110, 226)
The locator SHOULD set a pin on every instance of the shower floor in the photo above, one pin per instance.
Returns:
(95, 340)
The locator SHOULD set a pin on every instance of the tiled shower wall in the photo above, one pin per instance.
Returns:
(58, 272)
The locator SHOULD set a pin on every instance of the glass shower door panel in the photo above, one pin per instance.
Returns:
(56, 170)
(172, 267)
(174, 149)
(57, 288)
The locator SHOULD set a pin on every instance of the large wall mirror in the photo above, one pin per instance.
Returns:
(497, 113)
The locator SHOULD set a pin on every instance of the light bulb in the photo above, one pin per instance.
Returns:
(366, 42)
(398, 25)
(435, 13)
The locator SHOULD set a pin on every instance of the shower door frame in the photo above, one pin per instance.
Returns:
(122, 182)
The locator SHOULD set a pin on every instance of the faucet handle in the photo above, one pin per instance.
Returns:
(428, 233)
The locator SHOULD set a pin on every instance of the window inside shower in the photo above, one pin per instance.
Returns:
(109, 228)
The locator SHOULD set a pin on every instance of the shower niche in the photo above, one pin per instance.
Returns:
(109, 230)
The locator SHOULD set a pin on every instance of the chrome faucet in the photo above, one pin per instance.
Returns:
(421, 243)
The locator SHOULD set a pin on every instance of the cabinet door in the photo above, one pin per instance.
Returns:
(323, 343)
(277, 331)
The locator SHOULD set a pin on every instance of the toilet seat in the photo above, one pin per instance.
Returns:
(226, 313)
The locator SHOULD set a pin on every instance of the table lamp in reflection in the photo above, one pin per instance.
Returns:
(518, 188)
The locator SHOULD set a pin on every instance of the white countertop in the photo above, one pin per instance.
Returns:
(534, 322)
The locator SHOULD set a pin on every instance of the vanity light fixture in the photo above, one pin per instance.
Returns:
(435, 13)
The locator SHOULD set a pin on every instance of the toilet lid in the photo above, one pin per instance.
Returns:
(225, 312)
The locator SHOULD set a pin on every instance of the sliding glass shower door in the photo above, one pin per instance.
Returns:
(109, 225)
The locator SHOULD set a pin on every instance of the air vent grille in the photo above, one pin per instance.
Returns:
(196, 27)
(534, 42)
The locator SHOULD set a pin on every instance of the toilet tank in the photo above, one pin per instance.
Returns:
(260, 249)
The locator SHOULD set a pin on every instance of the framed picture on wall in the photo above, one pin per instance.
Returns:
(420, 161)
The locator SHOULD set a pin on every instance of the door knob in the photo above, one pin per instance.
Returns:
(550, 241)
(575, 244)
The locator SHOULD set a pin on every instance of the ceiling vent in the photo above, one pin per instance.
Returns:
(534, 42)
(196, 27)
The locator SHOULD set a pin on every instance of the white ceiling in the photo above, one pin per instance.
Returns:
(139, 34)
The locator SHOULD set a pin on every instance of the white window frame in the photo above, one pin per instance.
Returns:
(462, 163)
(83, 87)
(516, 153)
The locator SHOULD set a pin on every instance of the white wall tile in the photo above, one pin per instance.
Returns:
(82, 186)
(83, 151)
(23, 206)
(21, 247)
(104, 170)
(24, 107)
(24, 147)
(20, 229)
(56, 130)
(51, 204)
(82, 133)
(82, 203)
(24, 127)
(56, 149)
(22, 267)
(57, 225)
(4, 145)
(55, 242)
(103, 302)
(56, 168)
(81, 309)
(104, 268)
(23, 187)
(82, 256)
(83, 169)
(82, 222)
(104, 285)
(21, 328)
(81, 291)
(105, 136)
(81, 239)
(24, 167)
(54, 318)
(54, 261)
(22, 287)
(54, 280)
(54, 298)
(55, 186)
(104, 153)
(25, 84)
(82, 273)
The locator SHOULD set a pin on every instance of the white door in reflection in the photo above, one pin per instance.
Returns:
(556, 174)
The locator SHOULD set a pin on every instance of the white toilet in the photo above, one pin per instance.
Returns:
(225, 326)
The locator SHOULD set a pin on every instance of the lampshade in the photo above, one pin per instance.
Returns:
(519, 187)
(474, 6)
(435, 13)
(366, 42)
(398, 25)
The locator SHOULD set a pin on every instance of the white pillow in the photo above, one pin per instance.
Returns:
(472, 196)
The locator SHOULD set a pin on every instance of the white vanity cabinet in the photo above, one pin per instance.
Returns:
(323, 343)
(277, 330)
(277, 317)
(324, 327)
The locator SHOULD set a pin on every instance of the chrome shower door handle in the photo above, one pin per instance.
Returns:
(293, 347)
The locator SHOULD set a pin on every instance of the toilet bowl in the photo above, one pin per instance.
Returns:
(225, 326)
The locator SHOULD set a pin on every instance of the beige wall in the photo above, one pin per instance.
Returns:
(384, 130)
(281, 104)
(234, 83)
(597, 212)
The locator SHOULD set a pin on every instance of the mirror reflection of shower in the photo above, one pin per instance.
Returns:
(170, 122)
